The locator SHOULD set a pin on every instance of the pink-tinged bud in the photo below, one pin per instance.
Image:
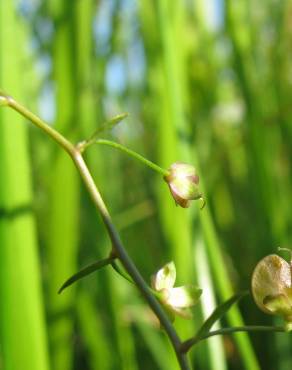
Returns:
(183, 183)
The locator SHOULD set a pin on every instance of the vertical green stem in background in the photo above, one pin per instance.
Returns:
(22, 324)
(98, 348)
(172, 32)
(265, 182)
(116, 335)
(173, 72)
(259, 140)
(63, 225)
(126, 358)
(173, 124)
(282, 218)
(257, 91)
(225, 288)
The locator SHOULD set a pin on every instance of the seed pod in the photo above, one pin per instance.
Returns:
(271, 286)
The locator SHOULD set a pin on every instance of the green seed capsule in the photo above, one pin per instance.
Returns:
(271, 286)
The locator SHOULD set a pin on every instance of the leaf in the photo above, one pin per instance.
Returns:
(86, 271)
(117, 268)
(108, 125)
(218, 313)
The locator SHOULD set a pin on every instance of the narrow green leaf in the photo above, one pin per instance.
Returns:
(117, 268)
(86, 271)
(108, 125)
(218, 313)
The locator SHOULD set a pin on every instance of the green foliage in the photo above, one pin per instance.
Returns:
(210, 90)
(218, 313)
(86, 271)
(23, 332)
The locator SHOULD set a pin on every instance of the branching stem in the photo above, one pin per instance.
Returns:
(119, 249)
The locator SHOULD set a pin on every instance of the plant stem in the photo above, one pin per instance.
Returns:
(126, 260)
(120, 250)
(133, 154)
(186, 346)
(55, 135)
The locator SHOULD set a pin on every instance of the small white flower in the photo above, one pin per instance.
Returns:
(175, 300)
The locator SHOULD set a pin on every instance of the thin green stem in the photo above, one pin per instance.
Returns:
(126, 277)
(6, 100)
(286, 250)
(186, 346)
(133, 154)
(119, 249)
(126, 260)
(108, 125)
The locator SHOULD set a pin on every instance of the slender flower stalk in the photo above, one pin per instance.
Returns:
(76, 155)
(186, 346)
(205, 333)
(83, 145)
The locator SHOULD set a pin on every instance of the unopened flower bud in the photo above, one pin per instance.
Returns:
(183, 183)
(271, 287)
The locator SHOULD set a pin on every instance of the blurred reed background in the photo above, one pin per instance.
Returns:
(206, 82)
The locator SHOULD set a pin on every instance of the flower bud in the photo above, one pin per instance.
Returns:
(183, 183)
(175, 300)
(271, 287)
